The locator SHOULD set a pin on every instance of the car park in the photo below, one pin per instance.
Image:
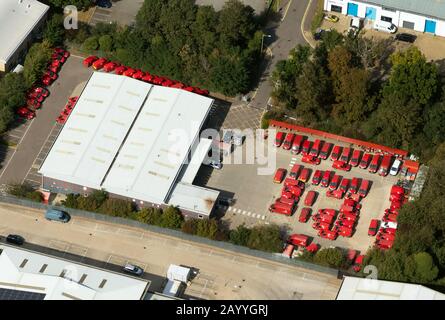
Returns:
(316, 178)
(395, 167)
(406, 37)
(310, 198)
(288, 141)
(355, 159)
(295, 171)
(133, 269)
(87, 62)
(15, 239)
(304, 215)
(325, 150)
(279, 175)
(366, 159)
(297, 143)
(375, 162)
(334, 182)
(341, 165)
(315, 150)
(310, 159)
(99, 63)
(304, 175)
(335, 154)
(345, 155)
(326, 179)
(364, 188)
(279, 138)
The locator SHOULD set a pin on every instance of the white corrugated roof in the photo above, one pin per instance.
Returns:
(34, 277)
(17, 19)
(194, 198)
(127, 137)
(368, 289)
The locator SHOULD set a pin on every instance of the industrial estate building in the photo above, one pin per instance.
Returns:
(423, 16)
(27, 275)
(135, 140)
(369, 289)
(20, 21)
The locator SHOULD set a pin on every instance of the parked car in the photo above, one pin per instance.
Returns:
(358, 263)
(281, 208)
(99, 63)
(298, 240)
(310, 159)
(310, 198)
(304, 175)
(296, 145)
(63, 52)
(279, 175)
(295, 171)
(406, 37)
(353, 188)
(341, 165)
(215, 164)
(327, 234)
(87, 62)
(326, 178)
(304, 215)
(345, 155)
(355, 25)
(133, 269)
(375, 163)
(288, 141)
(331, 18)
(306, 147)
(365, 160)
(385, 165)
(364, 188)
(334, 182)
(279, 138)
(103, 3)
(324, 153)
(395, 167)
(355, 159)
(120, 70)
(57, 215)
(15, 239)
(39, 91)
(238, 139)
(336, 151)
(129, 72)
(316, 178)
(110, 66)
(24, 112)
(315, 150)
(138, 75)
(385, 26)
(344, 185)
(373, 227)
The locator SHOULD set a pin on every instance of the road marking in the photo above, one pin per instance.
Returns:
(244, 211)
(302, 24)
(263, 217)
(287, 9)
(229, 209)
(249, 214)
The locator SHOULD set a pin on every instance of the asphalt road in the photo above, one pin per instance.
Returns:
(286, 34)
(70, 76)
(222, 274)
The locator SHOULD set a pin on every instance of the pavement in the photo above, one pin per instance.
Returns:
(285, 35)
(37, 132)
(222, 274)
(122, 11)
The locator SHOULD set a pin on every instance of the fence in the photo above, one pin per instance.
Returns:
(376, 147)
(174, 233)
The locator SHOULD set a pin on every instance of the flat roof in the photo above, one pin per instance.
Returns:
(199, 154)
(59, 279)
(128, 137)
(368, 289)
(433, 8)
(17, 19)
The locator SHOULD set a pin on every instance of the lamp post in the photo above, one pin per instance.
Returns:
(262, 40)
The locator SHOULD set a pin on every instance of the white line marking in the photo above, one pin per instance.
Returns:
(263, 217)
(287, 9)
(229, 209)
(244, 211)
(249, 213)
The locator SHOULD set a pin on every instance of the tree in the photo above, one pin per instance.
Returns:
(207, 228)
(117, 207)
(80, 4)
(70, 201)
(190, 226)
(106, 43)
(240, 235)
(172, 218)
(265, 238)
(90, 44)
(36, 62)
(331, 257)
(54, 31)
(421, 268)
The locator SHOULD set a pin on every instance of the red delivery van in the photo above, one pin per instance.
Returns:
(310, 198)
(364, 188)
(315, 150)
(294, 172)
(306, 147)
(386, 165)
(335, 153)
(355, 160)
(324, 153)
(345, 155)
(375, 162)
(288, 141)
(296, 145)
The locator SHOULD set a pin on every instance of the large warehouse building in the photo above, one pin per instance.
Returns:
(20, 21)
(136, 141)
(419, 15)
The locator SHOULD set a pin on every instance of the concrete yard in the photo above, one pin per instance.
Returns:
(222, 274)
(254, 193)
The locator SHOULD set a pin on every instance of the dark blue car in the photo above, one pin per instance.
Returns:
(103, 3)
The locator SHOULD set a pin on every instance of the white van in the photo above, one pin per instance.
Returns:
(385, 26)
(395, 167)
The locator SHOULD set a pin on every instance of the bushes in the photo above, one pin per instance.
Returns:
(25, 191)
(271, 115)
(265, 238)
(240, 235)
(330, 257)
(36, 62)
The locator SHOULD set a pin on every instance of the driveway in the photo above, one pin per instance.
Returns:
(122, 11)
(223, 274)
(17, 167)
(286, 34)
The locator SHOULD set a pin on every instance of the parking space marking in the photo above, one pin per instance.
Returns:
(244, 211)
(249, 214)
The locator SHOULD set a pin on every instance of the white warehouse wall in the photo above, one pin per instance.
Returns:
(398, 17)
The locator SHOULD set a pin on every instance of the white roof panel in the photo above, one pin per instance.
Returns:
(193, 198)
(199, 154)
(17, 20)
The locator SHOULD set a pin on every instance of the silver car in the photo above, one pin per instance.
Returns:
(130, 268)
